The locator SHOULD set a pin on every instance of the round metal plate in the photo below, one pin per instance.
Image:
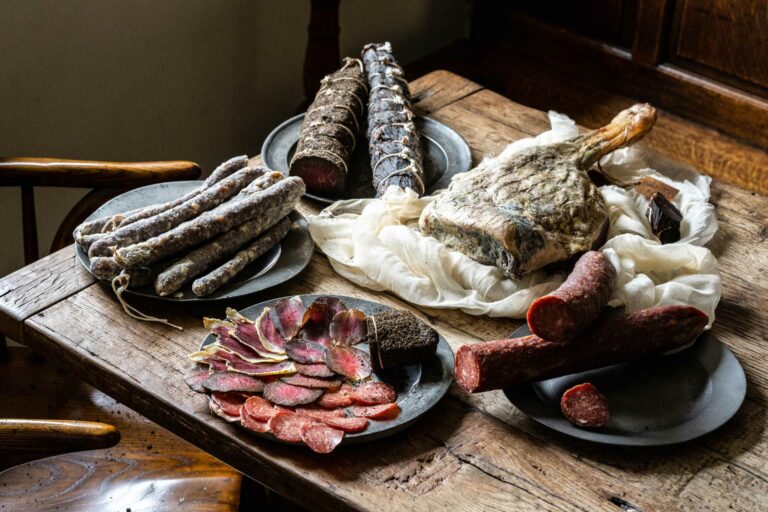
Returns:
(446, 154)
(665, 400)
(279, 264)
(419, 387)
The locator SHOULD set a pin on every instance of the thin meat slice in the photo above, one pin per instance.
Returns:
(373, 393)
(314, 370)
(214, 365)
(298, 379)
(219, 411)
(253, 424)
(289, 395)
(320, 437)
(196, 376)
(585, 406)
(350, 362)
(230, 403)
(375, 412)
(245, 331)
(287, 315)
(232, 381)
(347, 424)
(260, 409)
(226, 334)
(316, 322)
(349, 327)
(268, 334)
(305, 352)
(319, 413)
(218, 351)
(342, 397)
(287, 426)
(261, 369)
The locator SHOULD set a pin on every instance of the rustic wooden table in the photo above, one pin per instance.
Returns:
(469, 452)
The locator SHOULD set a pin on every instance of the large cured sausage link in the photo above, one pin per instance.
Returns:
(222, 275)
(162, 222)
(283, 194)
(96, 226)
(200, 259)
(577, 303)
(617, 338)
(106, 269)
(393, 141)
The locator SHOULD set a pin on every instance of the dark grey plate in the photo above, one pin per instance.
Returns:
(446, 154)
(665, 400)
(282, 262)
(419, 387)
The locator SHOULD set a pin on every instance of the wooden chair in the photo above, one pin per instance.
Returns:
(52, 413)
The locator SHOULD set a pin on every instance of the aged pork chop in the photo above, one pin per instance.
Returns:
(528, 209)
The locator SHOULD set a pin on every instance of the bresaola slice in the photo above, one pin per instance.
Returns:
(316, 322)
(320, 437)
(305, 352)
(262, 369)
(349, 327)
(287, 315)
(281, 393)
(196, 376)
(232, 381)
(218, 351)
(226, 333)
(268, 334)
(314, 370)
(246, 332)
(298, 379)
(350, 362)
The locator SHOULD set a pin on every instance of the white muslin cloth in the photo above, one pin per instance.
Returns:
(376, 243)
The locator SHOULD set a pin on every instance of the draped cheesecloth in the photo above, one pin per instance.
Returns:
(377, 244)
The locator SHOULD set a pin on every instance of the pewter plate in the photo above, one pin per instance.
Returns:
(284, 261)
(660, 401)
(446, 154)
(419, 387)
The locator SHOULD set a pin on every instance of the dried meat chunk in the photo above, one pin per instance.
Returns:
(287, 315)
(261, 369)
(349, 327)
(281, 393)
(196, 376)
(305, 352)
(298, 379)
(342, 397)
(373, 393)
(375, 412)
(253, 424)
(350, 362)
(260, 409)
(314, 370)
(287, 426)
(320, 437)
(232, 381)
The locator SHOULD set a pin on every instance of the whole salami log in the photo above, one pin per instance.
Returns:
(222, 275)
(147, 228)
(616, 338)
(393, 141)
(97, 225)
(281, 196)
(577, 303)
(330, 129)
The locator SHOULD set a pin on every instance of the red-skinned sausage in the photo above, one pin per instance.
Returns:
(585, 406)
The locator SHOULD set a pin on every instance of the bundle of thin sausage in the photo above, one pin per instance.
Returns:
(575, 332)
(209, 234)
(294, 372)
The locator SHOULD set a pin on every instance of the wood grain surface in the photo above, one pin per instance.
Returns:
(471, 451)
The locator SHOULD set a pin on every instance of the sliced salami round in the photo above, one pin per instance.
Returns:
(585, 406)
(321, 438)
(342, 397)
(281, 393)
(375, 412)
(319, 413)
(373, 393)
(253, 424)
(287, 426)
(230, 403)
(260, 409)
(346, 424)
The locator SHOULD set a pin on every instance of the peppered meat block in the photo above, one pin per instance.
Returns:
(398, 338)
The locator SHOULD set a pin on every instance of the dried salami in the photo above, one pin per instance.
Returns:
(320, 437)
(585, 406)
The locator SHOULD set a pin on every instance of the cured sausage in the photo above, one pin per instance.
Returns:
(320, 437)
(585, 406)
(577, 303)
(222, 275)
(278, 199)
(162, 222)
(615, 338)
(106, 269)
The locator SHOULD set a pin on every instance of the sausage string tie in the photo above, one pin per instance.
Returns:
(119, 285)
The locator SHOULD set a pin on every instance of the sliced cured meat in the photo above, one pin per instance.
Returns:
(261, 369)
(320, 437)
(217, 351)
(585, 406)
(342, 397)
(287, 425)
(268, 334)
(287, 315)
(196, 376)
(230, 403)
(253, 424)
(298, 379)
(372, 393)
(316, 322)
(335, 304)
(314, 370)
(245, 331)
(232, 381)
(375, 412)
(260, 409)
(226, 337)
(215, 365)
(350, 362)
(219, 411)
(346, 424)
(305, 352)
(319, 413)
(281, 393)
(349, 327)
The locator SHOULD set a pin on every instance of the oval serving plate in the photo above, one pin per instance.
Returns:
(285, 260)
(419, 387)
(446, 154)
(665, 400)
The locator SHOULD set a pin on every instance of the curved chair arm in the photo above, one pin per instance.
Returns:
(24, 440)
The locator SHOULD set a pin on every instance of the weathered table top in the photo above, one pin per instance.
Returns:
(469, 452)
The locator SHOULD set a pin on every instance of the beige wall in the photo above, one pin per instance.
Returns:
(199, 80)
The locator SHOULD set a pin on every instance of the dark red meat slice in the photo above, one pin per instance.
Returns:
(321, 438)
(289, 395)
(226, 337)
(585, 406)
(196, 376)
(215, 365)
(314, 370)
(375, 412)
(316, 323)
(253, 424)
(343, 397)
(287, 315)
(219, 411)
(372, 393)
(298, 379)
(246, 332)
(261, 369)
(350, 362)
(232, 381)
(268, 334)
(347, 424)
(305, 352)
(230, 403)
(260, 409)
(287, 426)
(319, 413)
(349, 327)
(217, 351)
